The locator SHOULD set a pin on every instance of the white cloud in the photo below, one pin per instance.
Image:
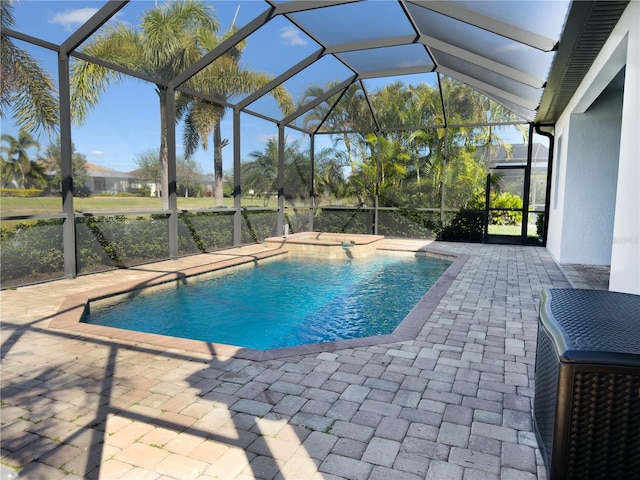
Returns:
(292, 37)
(71, 19)
(97, 153)
(265, 137)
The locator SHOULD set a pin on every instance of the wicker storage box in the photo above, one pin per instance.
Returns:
(587, 384)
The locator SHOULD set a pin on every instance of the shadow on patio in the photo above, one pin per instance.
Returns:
(454, 402)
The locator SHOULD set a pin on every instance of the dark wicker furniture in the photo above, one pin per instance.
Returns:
(587, 395)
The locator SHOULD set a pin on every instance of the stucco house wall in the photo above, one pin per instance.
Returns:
(106, 180)
(595, 195)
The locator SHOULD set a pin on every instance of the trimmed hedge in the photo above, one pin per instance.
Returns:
(105, 242)
(465, 226)
(203, 232)
(31, 253)
(34, 252)
(344, 220)
(21, 192)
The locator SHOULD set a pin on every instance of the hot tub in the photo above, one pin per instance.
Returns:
(327, 245)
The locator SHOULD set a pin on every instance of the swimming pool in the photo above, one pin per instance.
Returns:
(282, 303)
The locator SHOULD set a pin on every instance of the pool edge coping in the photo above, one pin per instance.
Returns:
(69, 315)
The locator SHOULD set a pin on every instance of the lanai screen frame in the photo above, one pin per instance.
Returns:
(69, 47)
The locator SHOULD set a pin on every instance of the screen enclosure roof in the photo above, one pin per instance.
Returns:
(517, 54)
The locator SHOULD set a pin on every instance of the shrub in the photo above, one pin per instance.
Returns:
(406, 223)
(258, 225)
(144, 191)
(510, 203)
(540, 225)
(344, 220)
(31, 252)
(204, 231)
(21, 192)
(466, 226)
(82, 191)
(506, 208)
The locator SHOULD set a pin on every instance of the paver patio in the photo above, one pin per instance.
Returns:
(453, 403)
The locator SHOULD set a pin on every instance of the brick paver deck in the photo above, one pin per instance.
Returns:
(453, 403)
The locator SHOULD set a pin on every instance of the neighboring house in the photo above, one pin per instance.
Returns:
(510, 165)
(517, 156)
(105, 180)
(209, 183)
(136, 184)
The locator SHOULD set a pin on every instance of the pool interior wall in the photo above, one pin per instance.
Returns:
(277, 304)
(71, 312)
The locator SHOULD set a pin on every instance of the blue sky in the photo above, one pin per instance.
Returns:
(125, 123)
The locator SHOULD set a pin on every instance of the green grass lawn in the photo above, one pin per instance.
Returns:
(513, 230)
(505, 229)
(52, 205)
(110, 203)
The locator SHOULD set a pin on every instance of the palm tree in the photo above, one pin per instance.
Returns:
(223, 79)
(392, 106)
(17, 164)
(488, 136)
(261, 173)
(330, 181)
(38, 178)
(166, 43)
(350, 118)
(51, 160)
(26, 88)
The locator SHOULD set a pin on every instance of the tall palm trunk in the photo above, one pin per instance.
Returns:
(164, 150)
(25, 167)
(217, 163)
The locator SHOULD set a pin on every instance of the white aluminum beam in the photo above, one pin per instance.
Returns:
(281, 78)
(225, 46)
(314, 103)
(118, 68)
(29, 39)
(90, 26)
(374, 43)
(528, 104)
(301, 6)
(207, 98)
(373, 113)
(489, 24)
(392, 72)
(481, 61)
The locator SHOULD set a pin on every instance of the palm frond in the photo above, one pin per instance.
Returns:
(190, 136)
(28, 89)
(7, 20)
(199, 122)
(119, 45)
(170, 35)
(88, 82)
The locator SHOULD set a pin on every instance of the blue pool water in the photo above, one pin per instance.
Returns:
(283, 303)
